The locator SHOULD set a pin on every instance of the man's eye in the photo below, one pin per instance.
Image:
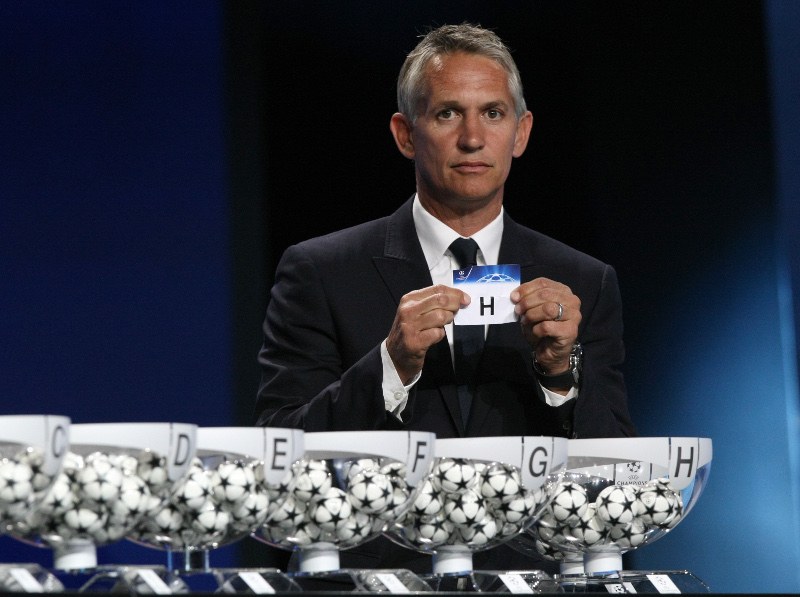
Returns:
(446, 114)
(493, 114)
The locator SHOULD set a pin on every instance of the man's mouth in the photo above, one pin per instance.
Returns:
(471, 166)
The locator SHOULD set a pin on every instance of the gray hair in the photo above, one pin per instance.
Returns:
(448, 39)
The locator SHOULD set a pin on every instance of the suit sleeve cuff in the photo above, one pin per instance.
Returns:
(395, 394)
(554, 398)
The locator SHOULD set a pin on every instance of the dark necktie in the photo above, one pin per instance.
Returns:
(468, 340)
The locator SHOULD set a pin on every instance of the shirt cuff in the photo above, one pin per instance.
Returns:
(395, 394)
(556, 399)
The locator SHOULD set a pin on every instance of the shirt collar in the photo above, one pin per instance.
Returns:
(435, 236)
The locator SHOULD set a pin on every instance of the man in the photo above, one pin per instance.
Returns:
(359, 332)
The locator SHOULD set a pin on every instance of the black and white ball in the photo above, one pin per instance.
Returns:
(81, 522)
(590, 531)
(428, 501)
(34, 458)
(99, 481)
(305, 533)
(569, 503)
(289, 514)
(232, 482)
(370, 492)
(313, 481)
(358, 466)
(454, 475)
(629, 535)
(60, 498)
(516, 510)
(656, 505)
(431, 531)
(211, 523)
(617, 505)
(500, 483)
(133, 501)
(194, 492)
(549, 553)
(251, 513)
(332, 511)
(16, 483)
(356, 529)
(152, 468)
(398, 501)
(481, 533)
(465, 509)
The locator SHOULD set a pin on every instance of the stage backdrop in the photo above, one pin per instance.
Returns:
(156, 158)
(114, 269)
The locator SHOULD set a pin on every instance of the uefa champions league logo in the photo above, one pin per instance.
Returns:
(489, 278)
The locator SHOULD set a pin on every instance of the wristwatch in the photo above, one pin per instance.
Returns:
(571, 377)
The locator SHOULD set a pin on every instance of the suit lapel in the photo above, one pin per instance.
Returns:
(403, 268)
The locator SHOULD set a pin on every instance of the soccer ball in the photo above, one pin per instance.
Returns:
(60, 497)
(454, 475)
(628, 535)
(517, 509)
(332, 511)
(356, 528)
(500, 484)
(428, 501)
(211, 523)
(251, 513)
(289, 514)
(152, 468)
(569, 503)
(313, 481)
(194, 492)
(590, 530)
(656, 505)
(616, 505)
(232, 482)
(16, 482)
(132, 502)
(481, 533)
(465, 509)
(398, 500)
(99, 481)
(430, 532)
(81, 522)
(370, 492)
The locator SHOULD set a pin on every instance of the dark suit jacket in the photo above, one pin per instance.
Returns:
(333, 303)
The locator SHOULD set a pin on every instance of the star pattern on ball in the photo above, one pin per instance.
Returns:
(605, 502)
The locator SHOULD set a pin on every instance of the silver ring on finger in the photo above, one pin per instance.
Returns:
(560, 312)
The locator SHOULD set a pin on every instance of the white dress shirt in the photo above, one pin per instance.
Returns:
(436, 237)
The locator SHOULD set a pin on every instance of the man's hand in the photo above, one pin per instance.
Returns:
(551, 336)
(419, 324)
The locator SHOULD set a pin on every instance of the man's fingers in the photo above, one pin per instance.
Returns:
(537, 285)
(550, 311)
(438, 294)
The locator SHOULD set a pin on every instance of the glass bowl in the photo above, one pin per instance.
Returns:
(617, 495)
(32, 448)
(113, 474)
(349, 486)
(239, 477)
(480, 493)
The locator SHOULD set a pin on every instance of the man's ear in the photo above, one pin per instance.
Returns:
(402, 132)
(523, 134)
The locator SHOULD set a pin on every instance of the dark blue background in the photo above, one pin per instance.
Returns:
(156, 158)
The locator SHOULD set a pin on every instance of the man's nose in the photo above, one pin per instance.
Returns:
(471, 137)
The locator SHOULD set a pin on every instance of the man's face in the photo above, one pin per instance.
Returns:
(466, 132)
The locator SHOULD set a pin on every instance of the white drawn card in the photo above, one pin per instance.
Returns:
(489, 287)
